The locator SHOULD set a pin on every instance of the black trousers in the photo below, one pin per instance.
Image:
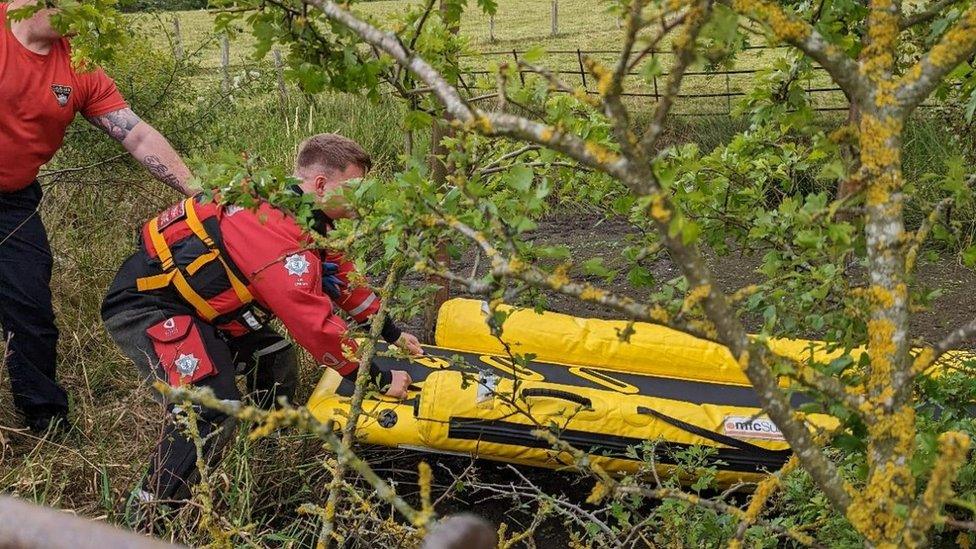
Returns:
(267, 361)
(26, 313)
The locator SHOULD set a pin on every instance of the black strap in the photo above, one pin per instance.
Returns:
(705, 433)
(556, 393)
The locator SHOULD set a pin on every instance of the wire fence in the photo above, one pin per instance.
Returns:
(704, 92)
(710, 91)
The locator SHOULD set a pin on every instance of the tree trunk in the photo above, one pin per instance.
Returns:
(438, 174)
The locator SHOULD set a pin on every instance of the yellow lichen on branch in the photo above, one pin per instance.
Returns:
(659, 209)
(603, 155)
(695, 296)
(764, 490)
(875, 509)
(592, 293)
(876, 136)
(883, 27)
(604, 76)
(960, 38)
(600, 491)
(785, 26)
(953, 449)
(424, 480)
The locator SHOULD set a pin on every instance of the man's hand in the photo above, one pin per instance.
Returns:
(410, 344)
(399, 385)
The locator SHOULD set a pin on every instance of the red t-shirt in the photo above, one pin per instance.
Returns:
(39, 96)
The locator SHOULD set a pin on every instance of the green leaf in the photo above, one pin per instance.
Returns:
(519, 178)
(489, 7)
(651, 69)
(534, 54)
(553, 252)
(417, 120)
(969, 256)
(595, 267)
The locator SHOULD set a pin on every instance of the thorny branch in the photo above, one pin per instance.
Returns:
(367, 352)
(270, 420)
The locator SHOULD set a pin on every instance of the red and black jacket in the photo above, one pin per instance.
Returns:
(235, 267)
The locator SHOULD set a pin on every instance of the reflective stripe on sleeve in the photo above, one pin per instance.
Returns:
(364, 305)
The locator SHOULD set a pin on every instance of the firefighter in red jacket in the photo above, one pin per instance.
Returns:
(191, 306)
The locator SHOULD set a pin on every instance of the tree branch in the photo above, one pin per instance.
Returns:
(684, 50)
(300, 418)
(955, 46)
(953, 448)
(489, 123)
(802, 35)
(926, 15)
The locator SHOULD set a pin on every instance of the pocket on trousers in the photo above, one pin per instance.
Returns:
(181, 350)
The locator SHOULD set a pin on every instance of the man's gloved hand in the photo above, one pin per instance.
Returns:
(399, 384)
(332, 285)
(410, 344)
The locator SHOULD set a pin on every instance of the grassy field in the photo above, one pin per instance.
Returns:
(519, 26)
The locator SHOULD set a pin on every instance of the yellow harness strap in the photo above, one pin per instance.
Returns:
(193, 221)
(162, 250)
(199, 262)
(240, 288)
(172, 275)
(155, 282)
(203, 308)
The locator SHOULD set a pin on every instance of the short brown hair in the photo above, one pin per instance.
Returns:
(331, 151)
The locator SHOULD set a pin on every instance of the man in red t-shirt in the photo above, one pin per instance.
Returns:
(40, 93)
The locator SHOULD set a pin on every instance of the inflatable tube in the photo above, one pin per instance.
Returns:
(651, 349)
(481, 405)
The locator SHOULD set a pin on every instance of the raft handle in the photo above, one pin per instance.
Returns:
(556, 393)
(742, 445)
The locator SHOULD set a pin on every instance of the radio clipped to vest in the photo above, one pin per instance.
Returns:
(185, 239)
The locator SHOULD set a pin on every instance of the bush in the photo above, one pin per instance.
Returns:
(162, 5)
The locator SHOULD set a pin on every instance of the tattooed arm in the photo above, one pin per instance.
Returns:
(147, 146)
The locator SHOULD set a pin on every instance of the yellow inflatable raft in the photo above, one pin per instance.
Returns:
(652, 349)
(482, 405)
(662, 391)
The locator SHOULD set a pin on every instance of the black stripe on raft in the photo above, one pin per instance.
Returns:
(615, 446)
(695, 392)
(701, 431)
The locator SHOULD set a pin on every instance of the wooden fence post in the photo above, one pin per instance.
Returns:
(555, 17)
(282, 88)
(654, 79)
(177, 39)
(225, 62)
(728, 94)
(521, 76)
(579, 57)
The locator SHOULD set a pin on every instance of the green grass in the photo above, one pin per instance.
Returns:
(519, 25)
